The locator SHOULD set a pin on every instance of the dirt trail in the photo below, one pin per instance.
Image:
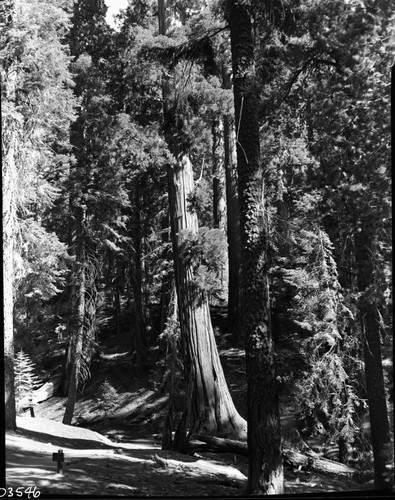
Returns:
(94, 465)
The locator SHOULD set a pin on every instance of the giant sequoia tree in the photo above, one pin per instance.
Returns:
(264, 436)
(209, 406)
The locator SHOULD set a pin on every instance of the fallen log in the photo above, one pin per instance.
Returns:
(224, 445)
(223, 474)
(309, 460)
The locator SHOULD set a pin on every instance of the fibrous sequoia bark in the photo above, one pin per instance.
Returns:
(264, 434)
(209, 406)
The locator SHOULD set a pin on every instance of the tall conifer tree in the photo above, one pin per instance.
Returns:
(264, 434)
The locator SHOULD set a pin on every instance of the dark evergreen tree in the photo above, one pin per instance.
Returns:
(264, 434)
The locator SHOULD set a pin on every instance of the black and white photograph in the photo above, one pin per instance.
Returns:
(197, 248)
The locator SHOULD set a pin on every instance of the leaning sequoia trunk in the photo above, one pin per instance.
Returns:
(209, 406)
(264, 434)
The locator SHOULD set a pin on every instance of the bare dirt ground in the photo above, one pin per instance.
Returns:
(117, 453)
(94, 465)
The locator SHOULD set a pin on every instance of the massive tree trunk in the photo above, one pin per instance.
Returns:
(264, 434)
(209, 406)
(369, 314)
(77, 336)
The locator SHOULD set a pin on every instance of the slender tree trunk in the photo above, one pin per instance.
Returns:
(118, 292)
(172, 365)
(136, 279)
(66, 371)
(209, 406)
(167, 280)
(166, 292)
(219, 207)
(264, 434)
(77, 338)
(378, 412)
(233, 230)
(369, 313)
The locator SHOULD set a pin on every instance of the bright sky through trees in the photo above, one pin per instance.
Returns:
(113, 8)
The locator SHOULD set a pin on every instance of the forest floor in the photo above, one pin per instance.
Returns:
(118, 452)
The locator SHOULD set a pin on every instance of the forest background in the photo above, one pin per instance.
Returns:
(206, 154)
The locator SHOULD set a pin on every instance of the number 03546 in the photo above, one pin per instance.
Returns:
(21, 491)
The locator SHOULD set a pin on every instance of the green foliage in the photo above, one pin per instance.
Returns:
(106, 396)
(25, 381)
(170, 366)
(90, 32)
(205, 252)
(41, 263)
(38, 107)
(327, 378)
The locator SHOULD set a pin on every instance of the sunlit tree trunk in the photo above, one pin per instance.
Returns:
(209, 406)
(77, 335)
(8, 211)
(219, 207)
(9, 138)
(264, 435)
(118, 287)
(167, 281)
